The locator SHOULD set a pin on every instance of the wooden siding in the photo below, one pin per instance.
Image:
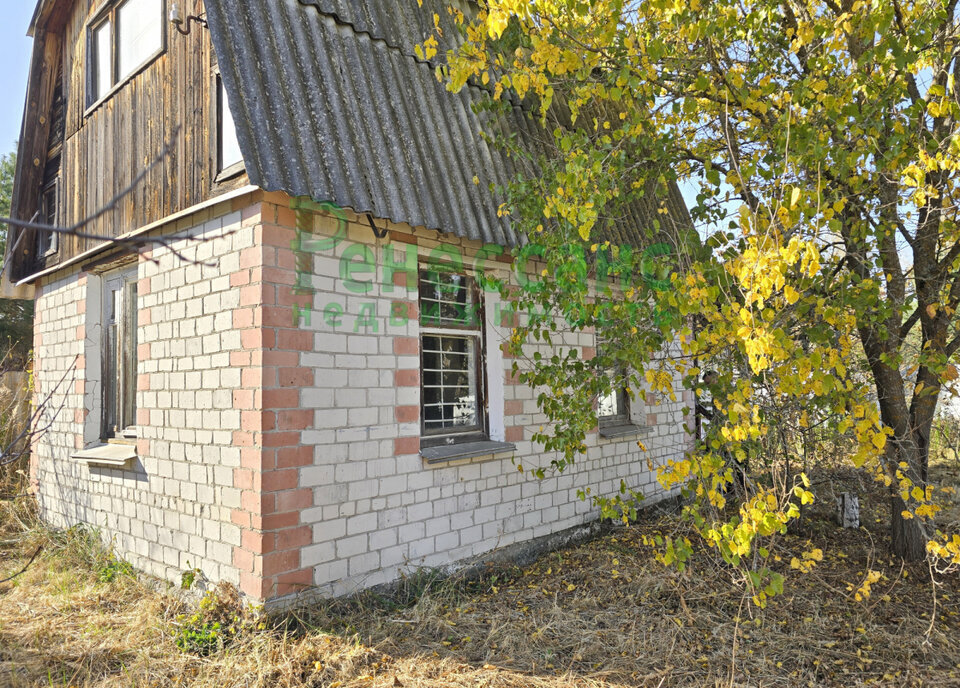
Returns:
(105, 147)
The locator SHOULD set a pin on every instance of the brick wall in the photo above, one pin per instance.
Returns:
(377, 507)
(173, 508)
(278, 412)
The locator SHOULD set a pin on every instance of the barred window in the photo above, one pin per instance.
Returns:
(451, 350)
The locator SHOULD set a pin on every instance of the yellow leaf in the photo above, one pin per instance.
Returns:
(794, 197)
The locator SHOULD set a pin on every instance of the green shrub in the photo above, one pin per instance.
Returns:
(113, 568)
(218, 619)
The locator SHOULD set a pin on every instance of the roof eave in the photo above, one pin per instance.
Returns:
(41, 5)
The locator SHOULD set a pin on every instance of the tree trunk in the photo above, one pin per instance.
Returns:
(909, 538)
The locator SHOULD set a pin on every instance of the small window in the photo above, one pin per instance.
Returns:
(228, 147)
(451, 349)
(127, 37)
(613, 408)
(120, 355)
(139, 34)
(48, 241)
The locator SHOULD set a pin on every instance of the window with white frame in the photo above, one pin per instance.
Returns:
(124, 38)
(119, 355)
(229, 156)
(451, 356)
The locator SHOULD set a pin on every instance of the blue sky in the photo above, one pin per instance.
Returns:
(15, 48)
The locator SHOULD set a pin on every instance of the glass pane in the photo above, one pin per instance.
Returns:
(129, 353)
(446, 299)
(111, 358)
(450, 398)
(229, 146)
(609, 405)
(102, 73)
(140, 33)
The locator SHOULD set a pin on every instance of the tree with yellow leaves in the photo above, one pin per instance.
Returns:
(833, 126)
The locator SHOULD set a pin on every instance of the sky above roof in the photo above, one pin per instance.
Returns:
(15, 48)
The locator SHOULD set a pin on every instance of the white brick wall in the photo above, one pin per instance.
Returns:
(172, 508)
(362, 506)
(388, 513)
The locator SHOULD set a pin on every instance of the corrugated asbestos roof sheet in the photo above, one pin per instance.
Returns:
(330, 102)
(399, 23)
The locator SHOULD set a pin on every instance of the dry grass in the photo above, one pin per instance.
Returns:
(600, 614)
(14, 414)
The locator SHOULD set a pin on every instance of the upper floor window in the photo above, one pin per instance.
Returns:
(229, 155)
(127, 35)
(48, 240)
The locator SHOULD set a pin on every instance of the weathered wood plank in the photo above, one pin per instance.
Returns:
(106, 147)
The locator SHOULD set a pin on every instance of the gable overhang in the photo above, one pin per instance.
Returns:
(34, 133)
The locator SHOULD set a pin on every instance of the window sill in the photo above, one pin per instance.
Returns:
(112, 91)
(231, 172)
(625, 430)
(452, 452)
(114, 455)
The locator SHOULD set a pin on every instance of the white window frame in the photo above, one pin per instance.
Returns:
(119, 361)
(473, 329)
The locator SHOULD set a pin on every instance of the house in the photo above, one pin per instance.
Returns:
(262, 374)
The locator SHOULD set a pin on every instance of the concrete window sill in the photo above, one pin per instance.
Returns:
(625, 430)
(453, 452)
(113, 455)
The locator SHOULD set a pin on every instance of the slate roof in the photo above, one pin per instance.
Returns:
(330, 102)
